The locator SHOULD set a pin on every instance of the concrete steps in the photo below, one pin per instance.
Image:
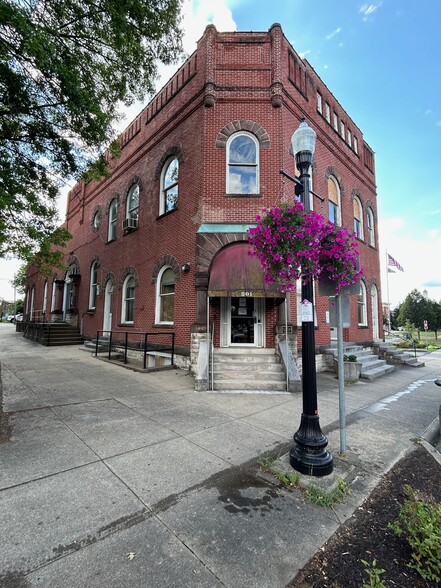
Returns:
(248, 370)
(396, 356)
(53, 334)
(372, 366)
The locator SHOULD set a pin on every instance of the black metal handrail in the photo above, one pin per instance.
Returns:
(142, 344)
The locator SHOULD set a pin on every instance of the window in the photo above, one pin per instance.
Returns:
(54, 292)
(165, 300)
(93, 284)
(128, 302)
(45, 298)
(368, 158)
(169, 186)
(370, 227)
(113, 212)
(349, 139)
(334, 201)
(335, 122)
(133, 202)
(361, 306)
(356, 145)
(327, 112)
(358, 218)
(242, 164)
(319, 103)
(342, 129)
(96, 221)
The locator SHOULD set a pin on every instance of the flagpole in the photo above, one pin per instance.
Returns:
(387, 288)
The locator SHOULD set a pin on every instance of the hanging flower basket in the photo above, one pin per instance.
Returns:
(292, 244)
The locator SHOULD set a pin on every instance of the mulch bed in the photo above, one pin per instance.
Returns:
(366, 536)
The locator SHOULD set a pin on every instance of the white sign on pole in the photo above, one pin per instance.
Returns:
(307, 313)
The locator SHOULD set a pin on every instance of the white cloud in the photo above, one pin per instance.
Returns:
(331, 35)
(303, 54)
(368, 10)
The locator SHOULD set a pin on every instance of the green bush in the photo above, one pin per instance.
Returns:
(349, 358)
(419, 522)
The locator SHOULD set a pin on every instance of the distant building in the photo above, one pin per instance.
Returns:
(161, 245)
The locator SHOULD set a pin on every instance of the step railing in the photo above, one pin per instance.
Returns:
(149, 343)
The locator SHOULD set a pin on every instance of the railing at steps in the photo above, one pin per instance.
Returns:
(139, 341)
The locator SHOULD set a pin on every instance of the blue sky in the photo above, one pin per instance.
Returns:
(382, 61)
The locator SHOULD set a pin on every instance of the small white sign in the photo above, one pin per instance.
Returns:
(307, 313)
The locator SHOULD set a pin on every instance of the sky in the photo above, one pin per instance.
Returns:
(382, 62)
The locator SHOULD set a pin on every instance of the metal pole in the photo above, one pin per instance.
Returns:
(341, 376)
(387, 287)
(286, 341)
(309, 455)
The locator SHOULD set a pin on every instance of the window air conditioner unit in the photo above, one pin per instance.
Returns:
(129, 224)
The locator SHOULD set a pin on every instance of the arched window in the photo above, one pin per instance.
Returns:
(128, 301)
(334, 201)
(45, 298)
(133, 202)
(242, 164)
(165, 296)
(370, 227)
(113, 212)
(169, 186)
(358, 219)
(93, 284)
(361, 305)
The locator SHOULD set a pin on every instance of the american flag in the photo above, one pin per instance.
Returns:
(393, 262)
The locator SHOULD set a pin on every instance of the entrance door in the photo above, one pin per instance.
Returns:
(108, 298)
(242, 321)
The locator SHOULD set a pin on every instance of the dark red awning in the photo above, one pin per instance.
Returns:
(235, 273)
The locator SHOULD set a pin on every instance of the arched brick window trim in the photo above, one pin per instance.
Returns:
(369, 204)
(332, 172)
(110, 277)
(112, 197)
(74, 261)
(171, 152)
(243, 125)
(356, 194)
(129, 271)
(92, 261)
(97, 211)
(134, 180)
(168, 260)
(373, 281)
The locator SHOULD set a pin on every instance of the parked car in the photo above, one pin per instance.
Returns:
(10, 318)
(18, 318)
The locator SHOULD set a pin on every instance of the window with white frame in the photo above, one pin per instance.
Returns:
(113, 214)
(133, 202)
(349, 138)
(45, 297)
(242, 164)
(370, 227)
(334, 201)
(93, 284)
(54, 292)
(335, 122)
(362, 306)
(128, 301)
(169, 186)
(165, 296)
(358, 218)
(319, 103)
(342, 129)
(356, 145)
(327, 112)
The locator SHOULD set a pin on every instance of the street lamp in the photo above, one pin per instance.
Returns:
(309, 455)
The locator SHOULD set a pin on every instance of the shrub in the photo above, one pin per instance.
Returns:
(419, 522)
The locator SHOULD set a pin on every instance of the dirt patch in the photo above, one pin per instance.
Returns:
(366, 536)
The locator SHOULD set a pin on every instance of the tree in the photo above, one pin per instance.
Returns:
(416, 309)
(66, 67)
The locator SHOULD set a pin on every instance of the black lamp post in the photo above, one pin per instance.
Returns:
(309, 455)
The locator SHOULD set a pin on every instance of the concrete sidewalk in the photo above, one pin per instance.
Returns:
(112, 478)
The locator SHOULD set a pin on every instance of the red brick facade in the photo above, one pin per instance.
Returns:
(234, 82)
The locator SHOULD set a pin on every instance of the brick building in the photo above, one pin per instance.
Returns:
(161, 245)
